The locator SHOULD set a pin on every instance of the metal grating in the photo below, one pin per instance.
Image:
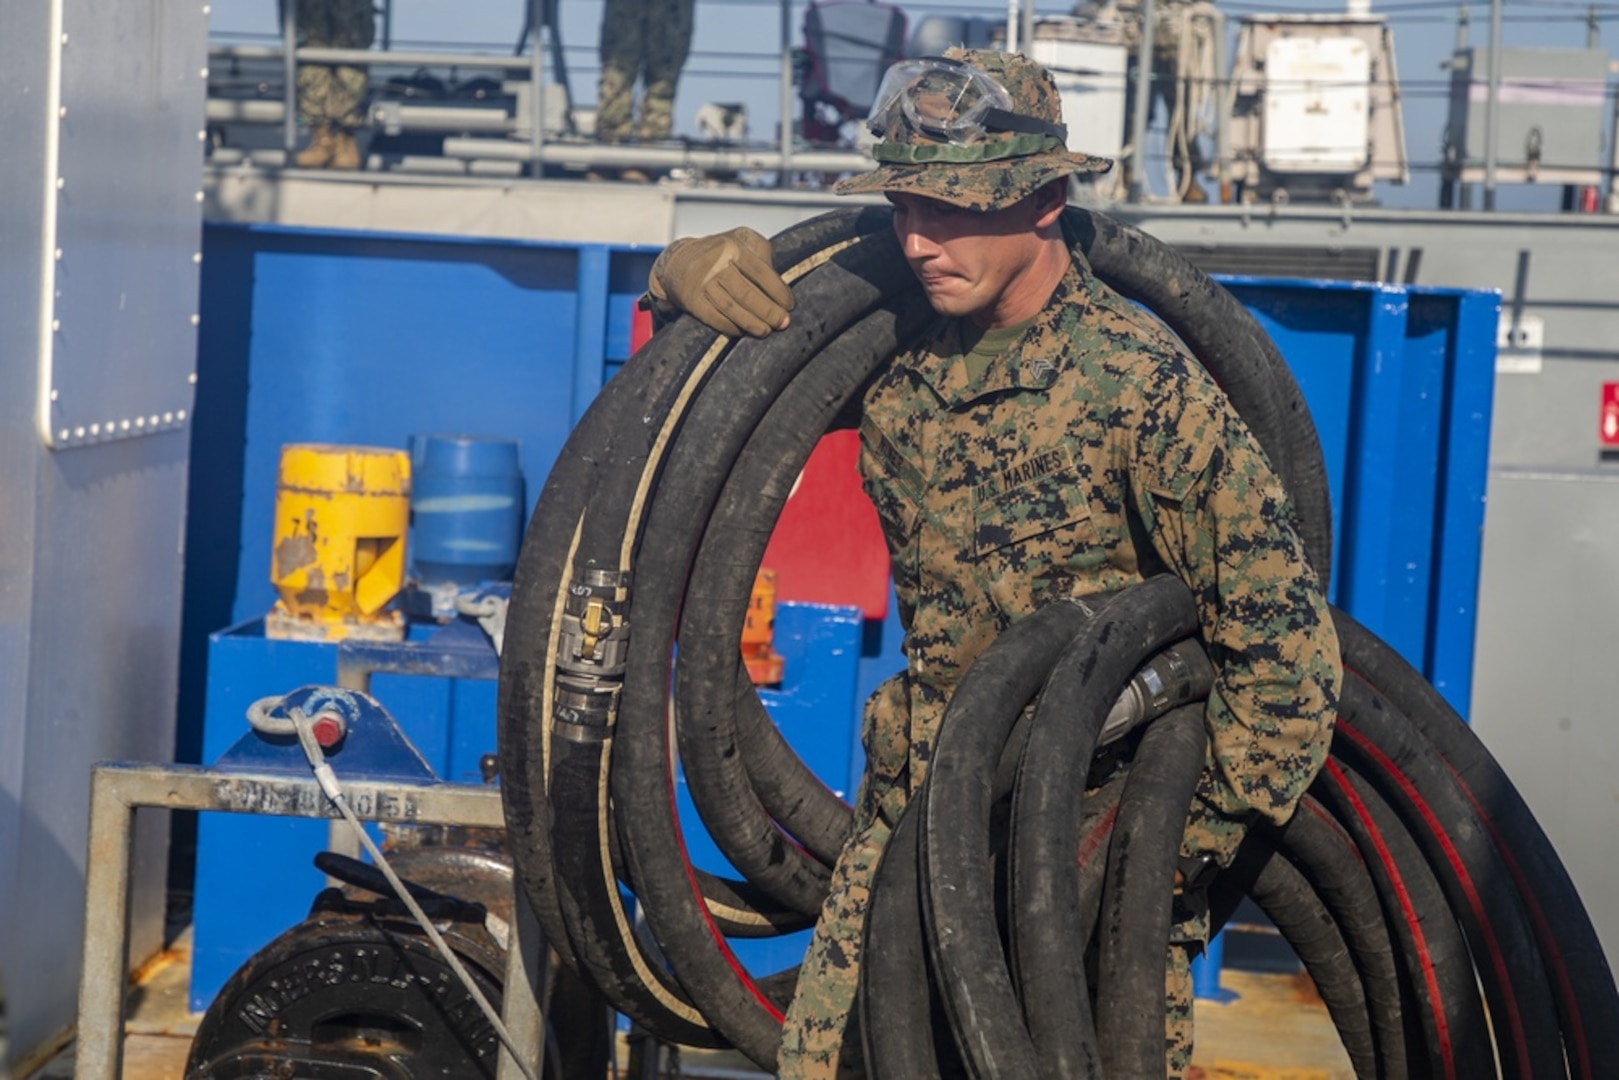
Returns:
(1269, 260)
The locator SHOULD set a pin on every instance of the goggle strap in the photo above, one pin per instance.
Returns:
(1001, 120)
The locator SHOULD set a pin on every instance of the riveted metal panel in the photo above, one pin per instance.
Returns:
(119, 256)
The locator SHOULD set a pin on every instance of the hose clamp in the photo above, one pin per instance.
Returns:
(595, 625)
(584, 711)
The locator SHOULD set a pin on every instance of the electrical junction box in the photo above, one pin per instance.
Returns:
(1315, 108)
(1550, 107)
(1316, 115)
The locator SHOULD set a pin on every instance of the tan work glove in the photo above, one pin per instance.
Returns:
(725, 281)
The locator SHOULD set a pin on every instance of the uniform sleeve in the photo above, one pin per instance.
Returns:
(1218, 516)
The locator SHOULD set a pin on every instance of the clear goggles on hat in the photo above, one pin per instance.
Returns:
(953, 102)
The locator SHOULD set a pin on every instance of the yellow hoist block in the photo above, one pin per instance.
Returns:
(759, 632)
(341, 517)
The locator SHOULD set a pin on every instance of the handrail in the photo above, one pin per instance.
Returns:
(369, 57)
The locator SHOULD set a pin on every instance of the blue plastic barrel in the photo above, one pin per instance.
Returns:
(466, 508)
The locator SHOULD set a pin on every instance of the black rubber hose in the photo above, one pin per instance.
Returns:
(1326, 855)
(1045, 811)
(1581, 979)
(1136, 903)
(741, 910)
(737, 908)
(1099, 816)
(712, 748)
(1298, 913)
(678, 404)
(607, 942)
(902, 1020)
(642, 789)
(1411, 778)
(598, 924)
(1457, 1040)
(815, 815)
(984, 1013)
(526, 668)
(804, 240)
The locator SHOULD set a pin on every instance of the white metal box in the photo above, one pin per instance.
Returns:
(1316, 114)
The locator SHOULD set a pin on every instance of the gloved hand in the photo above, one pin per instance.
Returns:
(725, 281)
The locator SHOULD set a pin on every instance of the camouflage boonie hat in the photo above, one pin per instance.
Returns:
(989, 173)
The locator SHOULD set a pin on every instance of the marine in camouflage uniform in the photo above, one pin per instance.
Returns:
(647, 40)
(1077, 451)
(1075, 454)
(330, 96)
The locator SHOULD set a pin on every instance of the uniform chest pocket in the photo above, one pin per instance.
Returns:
(1043, 520)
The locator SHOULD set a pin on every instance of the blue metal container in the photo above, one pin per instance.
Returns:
(1398, 380)
(466, 508)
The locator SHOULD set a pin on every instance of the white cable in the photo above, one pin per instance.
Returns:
(327, 779)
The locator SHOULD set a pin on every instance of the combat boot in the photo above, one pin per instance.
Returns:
(318, 154)
(345, 150)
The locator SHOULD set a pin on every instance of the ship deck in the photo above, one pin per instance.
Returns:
(1273, 1027)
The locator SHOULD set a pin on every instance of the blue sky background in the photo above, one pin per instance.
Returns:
(737, 43)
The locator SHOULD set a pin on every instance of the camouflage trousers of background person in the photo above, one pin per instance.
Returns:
(332, 95)
(647, 40)
(820, 1036)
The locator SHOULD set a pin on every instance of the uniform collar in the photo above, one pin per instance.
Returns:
(1032, 363)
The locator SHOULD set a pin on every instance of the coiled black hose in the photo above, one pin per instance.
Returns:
(647, 537)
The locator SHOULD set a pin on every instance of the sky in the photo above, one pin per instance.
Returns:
(738, 42)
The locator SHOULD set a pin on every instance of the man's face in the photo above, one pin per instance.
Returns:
(975, 264)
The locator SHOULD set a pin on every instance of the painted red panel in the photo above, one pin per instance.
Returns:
(828, 546)
(640, 328)
(1608, 428)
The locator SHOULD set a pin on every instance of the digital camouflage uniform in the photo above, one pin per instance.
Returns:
(331, 95)
(649, 40)
(1090, 454)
